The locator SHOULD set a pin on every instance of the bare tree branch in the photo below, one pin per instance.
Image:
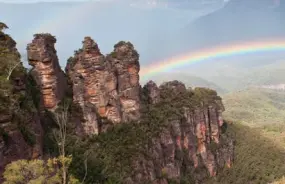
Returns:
(11, 68)
(86, 170)
(87, 153)
(61, 119)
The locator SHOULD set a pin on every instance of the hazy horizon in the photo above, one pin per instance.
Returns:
(159, 30)
(96, 19)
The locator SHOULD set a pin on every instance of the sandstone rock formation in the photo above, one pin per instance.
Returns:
(125, 59)
(192, 144)
(190, 141)
(20, 128)
(94, 83)
(14, 145)
(181, 131)
(152, 92)
(46, 69)
(110, 84)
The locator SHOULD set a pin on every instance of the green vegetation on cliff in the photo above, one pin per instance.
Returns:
(15, 95)
(257, 123)
(110, 155)
(37, 171)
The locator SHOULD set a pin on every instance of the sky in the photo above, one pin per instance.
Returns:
(33, 1)
(105, 23)
(157, 33)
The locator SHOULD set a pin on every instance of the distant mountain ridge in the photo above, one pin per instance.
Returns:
(190, 4)
(189, 80)
(251, 4)
(237, 20)
(274, 87)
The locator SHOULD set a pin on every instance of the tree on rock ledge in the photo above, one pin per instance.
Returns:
(3, 26)
(9, 57)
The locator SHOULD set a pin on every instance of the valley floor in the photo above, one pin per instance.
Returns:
(257, 122)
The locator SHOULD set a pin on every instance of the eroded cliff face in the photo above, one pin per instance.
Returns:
(109, 85)
(20, 128)
(46, 69)
(191, 144)
(178, 133)
(189, 139)
(125, 60)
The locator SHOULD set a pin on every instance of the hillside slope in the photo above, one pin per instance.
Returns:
(258, 125)
(259, 156)
(255, 106)
(241, 74)
(238, 20)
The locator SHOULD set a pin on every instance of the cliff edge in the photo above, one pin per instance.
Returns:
(150, 134)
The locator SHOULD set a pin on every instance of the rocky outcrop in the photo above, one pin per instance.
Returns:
(20, 128)
(179, 134)
(110, 84)
(152, 92)
(15, 143)
(93, 82)
(125, 60)
(190, 141)
(191, 145)
(46, 69)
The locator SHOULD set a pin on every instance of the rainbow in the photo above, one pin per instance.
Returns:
(218, 52)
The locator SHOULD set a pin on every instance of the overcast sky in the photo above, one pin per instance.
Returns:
(33, 1)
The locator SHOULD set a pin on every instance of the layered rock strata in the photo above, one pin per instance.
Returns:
(46, 69)
(189, 142)
(192, 144)
(94, 86)
(125, 60)
(110, 84)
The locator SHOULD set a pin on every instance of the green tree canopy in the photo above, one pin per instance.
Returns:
(37, 172)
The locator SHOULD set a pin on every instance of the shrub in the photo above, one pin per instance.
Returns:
(37, 171)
